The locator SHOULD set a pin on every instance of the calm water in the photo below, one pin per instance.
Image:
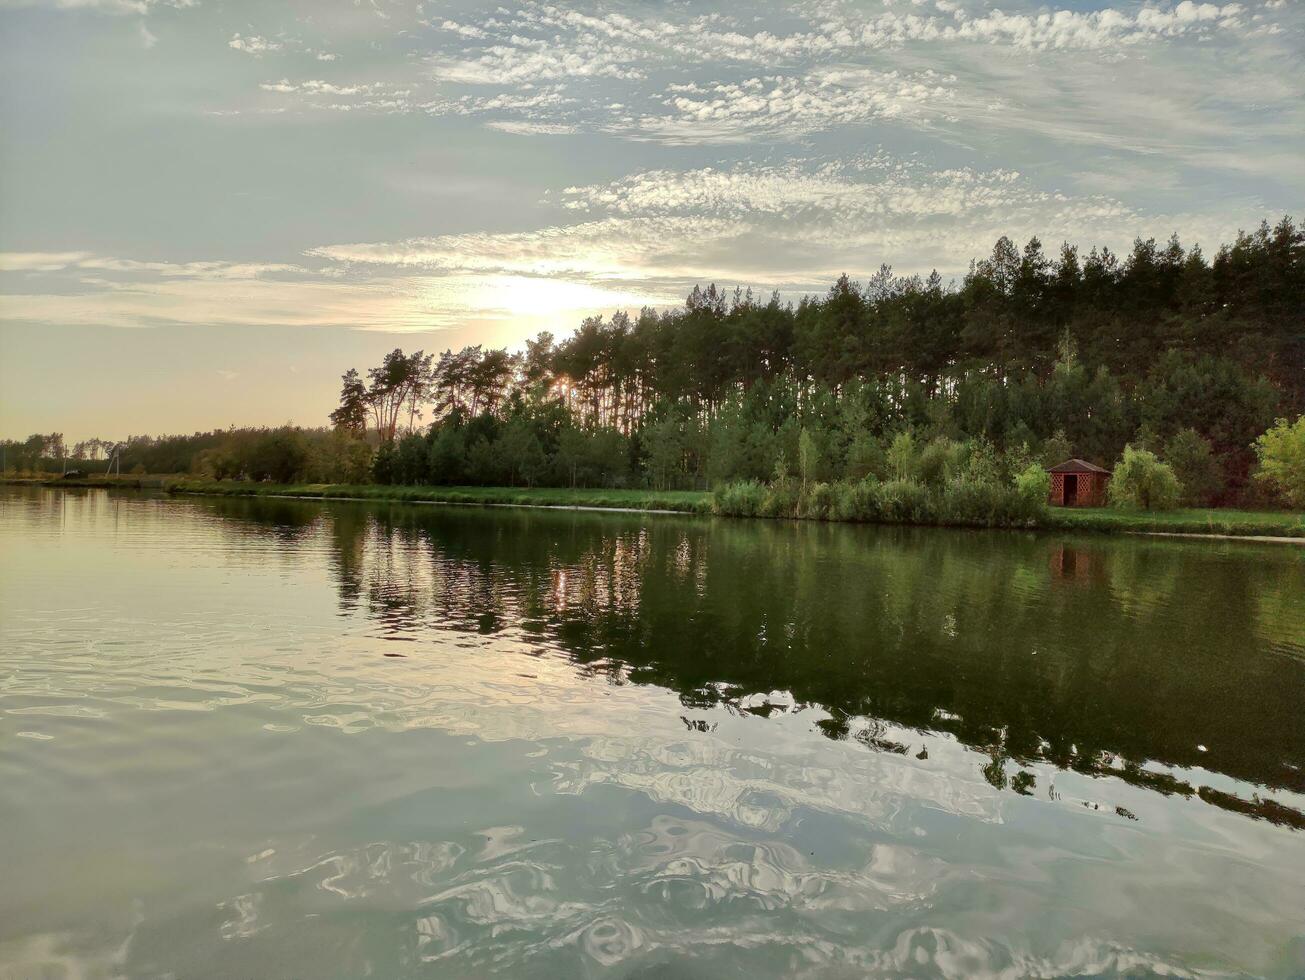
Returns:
(275, 739)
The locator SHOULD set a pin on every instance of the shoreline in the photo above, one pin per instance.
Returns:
(1209, 524)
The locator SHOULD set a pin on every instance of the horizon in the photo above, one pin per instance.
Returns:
(212, 212)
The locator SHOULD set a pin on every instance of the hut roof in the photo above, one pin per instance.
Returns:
(1076, 466)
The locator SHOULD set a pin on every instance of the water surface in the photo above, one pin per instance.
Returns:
(283, 738)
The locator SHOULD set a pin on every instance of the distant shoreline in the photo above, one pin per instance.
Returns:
(1269, 526)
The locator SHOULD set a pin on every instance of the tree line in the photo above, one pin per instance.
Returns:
(1037, 357)
(1031, 356)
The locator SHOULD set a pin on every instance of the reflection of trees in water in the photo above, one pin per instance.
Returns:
(1094, 655)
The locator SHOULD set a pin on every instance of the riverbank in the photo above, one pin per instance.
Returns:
(679, 501)
(1207, 522)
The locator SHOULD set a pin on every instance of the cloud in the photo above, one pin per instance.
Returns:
(532, 60)
(100, 6)
(526, 128)
(794, 225)
(147, 37)
(254, 44)
(791, 107)
(319, 87)
(1045, 30)
(39, 261)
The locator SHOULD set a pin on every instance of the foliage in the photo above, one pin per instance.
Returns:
(959, 502)
(1143, 482)
(897, 379)
(1281, 453)
(1033, 484)
(1196, 467)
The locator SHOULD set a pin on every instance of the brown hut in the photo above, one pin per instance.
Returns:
(1078, 483)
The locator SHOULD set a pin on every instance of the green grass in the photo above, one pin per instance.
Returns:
(688, 501)
(1238, 523)
(128, 481)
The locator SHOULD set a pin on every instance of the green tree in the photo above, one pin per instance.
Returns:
(901, 456)
(664, 447)
(1140, 480)
(521, 454)
(351, 416)
(866, 458)
(1196, 467)
(1281, 454)
(1057, 449)
(808, 458)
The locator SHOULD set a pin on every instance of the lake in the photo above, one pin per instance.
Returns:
(274, 738)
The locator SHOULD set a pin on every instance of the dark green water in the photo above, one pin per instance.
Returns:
(288, 739)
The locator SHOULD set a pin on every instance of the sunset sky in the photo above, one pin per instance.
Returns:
(210, 209)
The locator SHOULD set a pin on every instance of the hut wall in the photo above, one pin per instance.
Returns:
(1091, 489)
(1057, 495)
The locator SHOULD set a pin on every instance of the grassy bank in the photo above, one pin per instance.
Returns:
(131, 482)
(1237, 523)
(687, 501)
(963, 503)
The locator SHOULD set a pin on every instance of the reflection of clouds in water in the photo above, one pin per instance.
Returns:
(69, 956)
(703, 893)
(761, 791)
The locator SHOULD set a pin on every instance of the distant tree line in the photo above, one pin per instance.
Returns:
(1031, 358)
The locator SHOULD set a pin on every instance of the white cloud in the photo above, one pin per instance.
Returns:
(641, 240)
(793, 225)
(39, 261)
(319, 87)
(100, 6)
(147, 37)
(530, 60)
(791, 107)
(1044, 30)
(254, 44)
(527, 128)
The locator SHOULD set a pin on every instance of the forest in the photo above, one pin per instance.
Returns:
(1033, 357)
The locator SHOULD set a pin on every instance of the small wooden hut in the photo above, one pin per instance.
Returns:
(1078, 483)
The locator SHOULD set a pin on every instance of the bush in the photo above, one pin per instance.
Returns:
(905, 502)
(743, 499)
(817, 504)
(781, 500)
(1033, 484)
(858, 501)
(1281, 452)
(1142, 481)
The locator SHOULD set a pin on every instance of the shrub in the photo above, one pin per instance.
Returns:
(901, 456)
(857, 501)
(905, 502)
(1142, 481)
(742, 499)
(817, 504)
(1033, 484)
(1281, 452)
(938, 461)
(781, 500)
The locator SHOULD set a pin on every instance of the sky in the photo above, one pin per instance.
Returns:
(211, 209)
